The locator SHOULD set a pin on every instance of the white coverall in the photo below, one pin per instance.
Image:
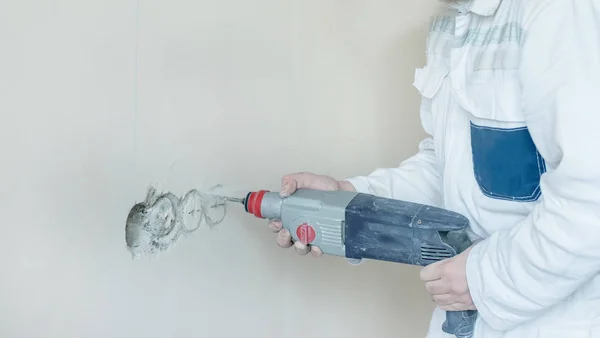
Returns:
(511, 104)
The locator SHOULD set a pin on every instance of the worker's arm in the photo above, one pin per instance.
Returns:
(416, 179)
(517, 274)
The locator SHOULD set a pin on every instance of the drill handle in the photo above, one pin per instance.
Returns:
(460, 323)
(403, 232)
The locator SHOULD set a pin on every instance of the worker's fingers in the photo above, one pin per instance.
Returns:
(305, 180)
(438, 287)
(451, 307)
(275, 225)
(432, 272)
(301, 249)
(443, 300)
(457, 307)
(289, 185)
(284, 239)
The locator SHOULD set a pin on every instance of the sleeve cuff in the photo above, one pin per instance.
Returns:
(360, 183)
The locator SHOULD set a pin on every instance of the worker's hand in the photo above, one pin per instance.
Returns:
(289, 184)
(446, 282)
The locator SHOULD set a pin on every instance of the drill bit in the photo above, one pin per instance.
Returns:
(226, 199)
(234, 199)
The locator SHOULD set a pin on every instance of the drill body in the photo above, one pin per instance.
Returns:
(362, 226)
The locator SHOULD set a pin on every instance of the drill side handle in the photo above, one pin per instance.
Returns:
(459, 323)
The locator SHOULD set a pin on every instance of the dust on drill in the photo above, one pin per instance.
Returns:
(157, 223)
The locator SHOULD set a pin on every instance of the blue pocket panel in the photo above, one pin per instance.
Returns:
(506, 163)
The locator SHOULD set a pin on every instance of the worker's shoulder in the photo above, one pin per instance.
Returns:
(527, 10)
(531, 5)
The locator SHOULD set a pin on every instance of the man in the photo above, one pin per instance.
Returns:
(511, 104)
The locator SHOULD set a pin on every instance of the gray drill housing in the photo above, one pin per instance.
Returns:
(364, 226)
(324, 210)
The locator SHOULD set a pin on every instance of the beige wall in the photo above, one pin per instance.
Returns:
(311, 85)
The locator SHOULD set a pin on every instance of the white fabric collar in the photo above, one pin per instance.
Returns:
(480, 7)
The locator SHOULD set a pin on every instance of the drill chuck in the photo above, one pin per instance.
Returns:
(264, 204)
(252, 202)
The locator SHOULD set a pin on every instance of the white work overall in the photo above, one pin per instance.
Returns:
(511, 101)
